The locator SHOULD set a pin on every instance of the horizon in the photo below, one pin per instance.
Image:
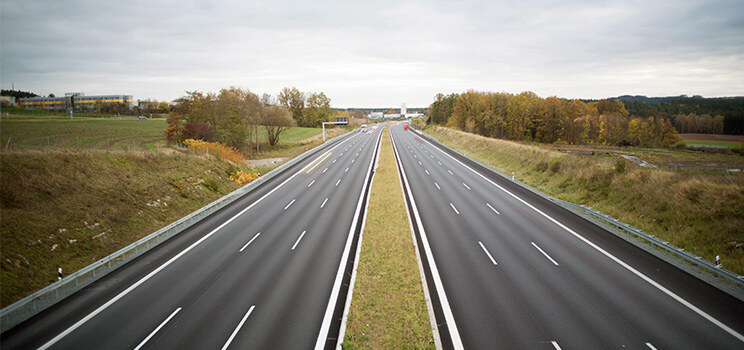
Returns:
(375, 54)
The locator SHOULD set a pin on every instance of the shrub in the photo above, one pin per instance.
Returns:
(212, 184)
(555, 165)
(215, 148)
(542, 166)
(242, 178)
(620, 165)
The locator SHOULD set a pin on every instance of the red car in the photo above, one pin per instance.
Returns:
(405, 127)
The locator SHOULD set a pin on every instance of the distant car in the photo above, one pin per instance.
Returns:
(142, 117)
(364, 125)
(405, 126)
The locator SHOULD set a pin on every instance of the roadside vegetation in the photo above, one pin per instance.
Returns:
(69, 209)
(388, 308)
(692, 207)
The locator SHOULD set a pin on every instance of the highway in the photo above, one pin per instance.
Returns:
(269, 271)
(509, 269)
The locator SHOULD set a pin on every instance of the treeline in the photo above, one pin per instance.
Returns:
(307, 109)
(230, 117)
(730, 108)
(18, 94)
(526, 116)
(699, 124)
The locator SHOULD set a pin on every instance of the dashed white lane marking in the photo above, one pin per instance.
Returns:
(625, 265)
(290, 203)
(324, 170)
(335, 160)
(157, 329)
(440, 163)
(427, 171)
(487, 253)
(249, 242)
(650, 346)
(339, 180)
(544, 253)
(347, 170)
(466, 185)
(436, 184)
(352, 161)
(555, 345)
(455, 209)
(311, 183)
(450, 171)
(420, 163)
(324, 202)
(235, 332)
(494, 210)
(298, 240)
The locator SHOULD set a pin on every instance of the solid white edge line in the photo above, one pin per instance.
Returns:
(352, 282)
(422, 273)
(555, 345)
(157, 329)
(235, 332)
(494, 210)
(443, 300)
(249, 242)
(324, 202)
(161, 267)
(650, 281)
(487, 253)
(455, 209)
(290, 203)
(298, 239)
(650, 346)
(544, 253)
(335, 290)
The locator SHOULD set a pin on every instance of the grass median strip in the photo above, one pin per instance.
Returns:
(388, 308)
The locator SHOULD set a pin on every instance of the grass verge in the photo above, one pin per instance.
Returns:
(701, 213)
(388, 309)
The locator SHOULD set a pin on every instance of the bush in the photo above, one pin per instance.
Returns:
(555, 165)
(212, 184)
(542, 166)
(620, 165)
(216, 149)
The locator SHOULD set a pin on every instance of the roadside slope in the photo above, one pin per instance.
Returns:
(69, 209)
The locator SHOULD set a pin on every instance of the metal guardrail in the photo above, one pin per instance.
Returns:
(720, 277)
(31, 305)
(665, 247)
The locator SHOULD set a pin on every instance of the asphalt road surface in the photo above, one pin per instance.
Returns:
(508, 269)
(269, 271)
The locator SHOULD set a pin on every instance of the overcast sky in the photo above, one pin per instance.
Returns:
(374, 53)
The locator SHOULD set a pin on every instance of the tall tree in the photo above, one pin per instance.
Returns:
(318, 110)
(293, 100)
(276, 120)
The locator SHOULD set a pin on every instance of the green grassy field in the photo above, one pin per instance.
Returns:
(39, 132)
(388, 308)
(713, 143)
(700, 212)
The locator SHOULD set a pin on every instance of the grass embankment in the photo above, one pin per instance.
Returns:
(69, 209)
(388, 308)
(702, 213)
